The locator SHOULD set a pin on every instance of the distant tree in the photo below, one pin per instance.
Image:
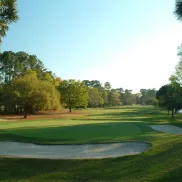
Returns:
(8, 14)
(113, 98)
(120, 90)
(104, 97)
(147, 96)
(87, 83)
(128, 98)
(107, 86)
(155, 102)
(17, 64)
(73, 94)
(169, 97)
(138, 98)
(178, 9)
(95, 97)
(95, 84)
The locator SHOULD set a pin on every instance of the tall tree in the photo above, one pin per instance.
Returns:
(178, 9)
(120, 90)
(8, 14)
(113, 98)
(107, 86)
(177, 76)
(73, 94)
(128, 98)
(169, 97)
(147, 96)
(17, 64)
(95, 84)
(87, 83)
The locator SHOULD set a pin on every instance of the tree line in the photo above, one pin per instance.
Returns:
(26, 86)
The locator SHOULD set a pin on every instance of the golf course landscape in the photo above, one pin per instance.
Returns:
(90, 91)
(162, 161)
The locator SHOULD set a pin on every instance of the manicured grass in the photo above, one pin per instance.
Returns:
(88, 133)
(163, 162)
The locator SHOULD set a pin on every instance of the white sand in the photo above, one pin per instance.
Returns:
(167, 128)
(86, 151)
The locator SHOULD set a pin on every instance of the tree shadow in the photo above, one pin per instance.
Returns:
(144, 115)
(173, 175)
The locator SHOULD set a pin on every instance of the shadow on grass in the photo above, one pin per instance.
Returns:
(173, 175)
(133, 112)
(141, 114)
(131, 107)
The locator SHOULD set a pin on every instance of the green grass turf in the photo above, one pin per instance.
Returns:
(88, 133)
(163, 162)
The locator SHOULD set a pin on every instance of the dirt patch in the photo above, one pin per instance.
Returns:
(51, 114)
(85, 151)
(167, 128)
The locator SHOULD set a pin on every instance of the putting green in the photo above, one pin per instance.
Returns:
(80, 133)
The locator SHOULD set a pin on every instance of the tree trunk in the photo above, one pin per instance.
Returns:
(6, 110)
(172, 113)
(70, 108)
(25, 114)
(175, 111)
(25, 110)
(17, 111)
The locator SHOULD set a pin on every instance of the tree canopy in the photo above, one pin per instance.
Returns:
(26, 85)
(147, 96)
(29, 94)
(95, 98)
(17, 64)
(107, 86)
(73, 93)
(8, 14)
(178, 9)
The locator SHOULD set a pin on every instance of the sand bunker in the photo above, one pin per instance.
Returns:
(167, 128)
(86, 151)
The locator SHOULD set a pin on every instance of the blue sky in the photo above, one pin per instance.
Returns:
(130, 43)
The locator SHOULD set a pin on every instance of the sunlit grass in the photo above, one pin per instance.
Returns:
(162, 162)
